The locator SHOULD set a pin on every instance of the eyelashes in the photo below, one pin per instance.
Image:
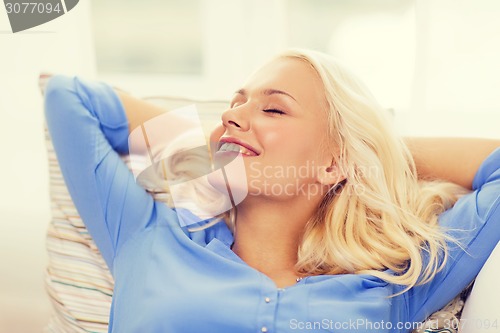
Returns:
(274, 111)
(270, 110)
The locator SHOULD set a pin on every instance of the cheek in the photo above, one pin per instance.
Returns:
(278, 136)
(292, 145)
(217, 132)
(215, 136)
(293, 155)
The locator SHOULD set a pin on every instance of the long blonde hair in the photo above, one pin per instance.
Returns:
(382, 216)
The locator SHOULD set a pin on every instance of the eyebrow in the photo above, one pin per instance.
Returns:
(268, 92)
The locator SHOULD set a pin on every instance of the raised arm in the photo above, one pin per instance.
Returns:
(137, 111)
(453, 159)
(89, 127)
(472, 221)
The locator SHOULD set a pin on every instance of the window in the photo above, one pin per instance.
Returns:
(373, 38)
(148, 36)
(425, 59)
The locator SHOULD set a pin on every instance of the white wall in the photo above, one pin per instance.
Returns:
(60, 46)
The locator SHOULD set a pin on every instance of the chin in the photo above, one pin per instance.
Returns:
(230, 178)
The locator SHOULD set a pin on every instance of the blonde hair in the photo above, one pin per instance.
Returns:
(382, 216)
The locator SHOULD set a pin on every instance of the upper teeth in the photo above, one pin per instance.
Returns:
(229, 146)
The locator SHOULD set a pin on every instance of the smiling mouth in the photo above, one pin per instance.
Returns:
(234, 147)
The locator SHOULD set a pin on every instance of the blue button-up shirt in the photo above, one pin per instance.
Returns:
(168, 279)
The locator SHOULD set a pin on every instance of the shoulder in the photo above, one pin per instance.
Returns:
(486, 186)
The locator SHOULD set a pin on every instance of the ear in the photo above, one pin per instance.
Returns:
(330, 175)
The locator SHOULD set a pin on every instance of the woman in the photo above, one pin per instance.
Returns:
(354, 243)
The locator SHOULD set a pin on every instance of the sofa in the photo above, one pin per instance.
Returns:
(77, 280)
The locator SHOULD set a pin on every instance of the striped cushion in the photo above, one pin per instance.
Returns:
(77, 279)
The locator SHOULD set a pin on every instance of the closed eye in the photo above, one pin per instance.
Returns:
(275, 111)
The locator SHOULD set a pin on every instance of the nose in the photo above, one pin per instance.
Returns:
(237, 118)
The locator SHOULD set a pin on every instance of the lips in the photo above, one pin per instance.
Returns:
(233, 145)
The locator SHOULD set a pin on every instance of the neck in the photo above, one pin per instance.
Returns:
(268, 234)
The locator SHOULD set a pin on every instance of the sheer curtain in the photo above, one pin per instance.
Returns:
(60, 46)
(433, 62)
(457, 73)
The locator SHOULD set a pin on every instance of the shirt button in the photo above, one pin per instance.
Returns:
(263, 329)
(267, 299)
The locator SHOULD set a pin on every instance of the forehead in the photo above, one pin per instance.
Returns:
(294, 76)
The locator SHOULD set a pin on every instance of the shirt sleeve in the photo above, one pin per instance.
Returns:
(475, 222)
(88, 127)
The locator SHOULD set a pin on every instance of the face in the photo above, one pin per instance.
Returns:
(277, 123)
